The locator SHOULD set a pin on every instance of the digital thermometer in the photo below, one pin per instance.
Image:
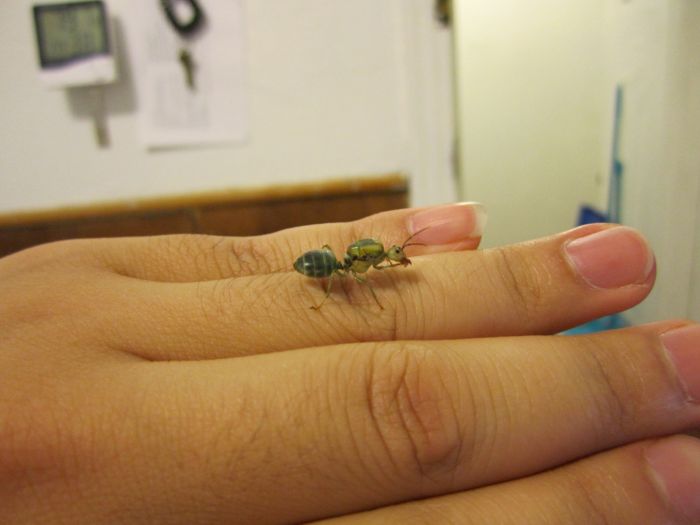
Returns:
(74, 44)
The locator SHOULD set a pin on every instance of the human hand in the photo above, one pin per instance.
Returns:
(184, 379)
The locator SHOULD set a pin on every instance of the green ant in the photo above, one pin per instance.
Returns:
(359, 257)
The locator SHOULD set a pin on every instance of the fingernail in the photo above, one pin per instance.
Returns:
(683, 347)
(675, 466)
(615, 257)
(449, 223)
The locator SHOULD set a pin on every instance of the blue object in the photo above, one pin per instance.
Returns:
(616, 169)
(588, 215)
(609, 322)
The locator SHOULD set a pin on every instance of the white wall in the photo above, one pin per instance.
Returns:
(335, 89)
(531, 111)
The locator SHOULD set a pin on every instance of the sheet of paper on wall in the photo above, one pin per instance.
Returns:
(172, 113)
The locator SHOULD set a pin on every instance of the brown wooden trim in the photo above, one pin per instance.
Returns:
(391, 183)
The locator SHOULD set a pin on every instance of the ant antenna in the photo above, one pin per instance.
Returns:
(406, 244)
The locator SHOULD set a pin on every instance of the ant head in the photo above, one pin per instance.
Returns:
(397, 254)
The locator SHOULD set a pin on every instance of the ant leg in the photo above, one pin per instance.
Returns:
(365, 281)
(387, 265)
(328, 292)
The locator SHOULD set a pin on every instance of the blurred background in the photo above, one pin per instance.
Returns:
(551, 112)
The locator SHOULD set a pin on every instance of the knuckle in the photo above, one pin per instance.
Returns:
(523, 283)
(627, 382)
(604, 384)
(166, 249)
(255, 255)
(592, 499)
(207, 254)
(403, 315)
(411, 408)
(588, 504)
(244, 258)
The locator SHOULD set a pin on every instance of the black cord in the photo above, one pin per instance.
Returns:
(184, 27)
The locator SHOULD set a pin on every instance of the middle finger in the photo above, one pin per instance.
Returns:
(533, 288)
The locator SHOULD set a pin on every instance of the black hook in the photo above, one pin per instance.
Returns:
(184, 27)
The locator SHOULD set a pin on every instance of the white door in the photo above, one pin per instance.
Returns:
(531, 111)
(535, 85)
(655, 47)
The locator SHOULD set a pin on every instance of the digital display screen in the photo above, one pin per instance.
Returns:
(71, 31)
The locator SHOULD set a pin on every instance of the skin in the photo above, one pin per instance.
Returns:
(184, 379)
